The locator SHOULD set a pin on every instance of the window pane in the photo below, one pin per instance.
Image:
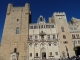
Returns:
(56, 53)
(52, 26)
(30, 54)
(35, 27)
(36, 54)
(41, 26)
(53, 36)
(47, 26)
(64, 36)
(17, 30)
(49, 44)
(48, 36)
(62, 28)
(30, 37)
(36, 37)
(31, 27)
(75, 28)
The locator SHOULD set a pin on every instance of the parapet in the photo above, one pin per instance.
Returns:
(59, 14)
(9, 8)
(27, 7)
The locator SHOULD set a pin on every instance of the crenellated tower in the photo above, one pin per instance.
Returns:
(63, 33)
(15, 33)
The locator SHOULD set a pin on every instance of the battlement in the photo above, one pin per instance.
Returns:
(59, 14)
(13, 8)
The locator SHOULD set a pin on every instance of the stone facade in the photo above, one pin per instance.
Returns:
(15, 33)
(22, 40)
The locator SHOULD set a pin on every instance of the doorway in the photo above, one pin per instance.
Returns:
(77, 51)
(43, 55)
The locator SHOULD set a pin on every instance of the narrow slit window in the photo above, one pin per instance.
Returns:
(17, 30)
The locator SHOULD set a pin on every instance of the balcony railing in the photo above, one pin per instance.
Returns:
(75, 37)
(42, 40)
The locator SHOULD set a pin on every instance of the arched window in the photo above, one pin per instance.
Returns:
(62, 29)
(35, 44)
(30, 44)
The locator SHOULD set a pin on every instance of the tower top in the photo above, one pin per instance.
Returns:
(59, 13)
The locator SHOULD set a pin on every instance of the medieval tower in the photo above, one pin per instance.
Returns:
(15, 33)
(63, 33)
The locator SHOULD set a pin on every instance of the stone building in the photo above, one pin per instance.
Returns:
(23, 40)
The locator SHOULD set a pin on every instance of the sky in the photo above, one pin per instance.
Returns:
(42, 7)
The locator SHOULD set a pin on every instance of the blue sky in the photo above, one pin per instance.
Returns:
(42, 7)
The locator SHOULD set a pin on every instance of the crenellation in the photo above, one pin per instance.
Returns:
(9, 8)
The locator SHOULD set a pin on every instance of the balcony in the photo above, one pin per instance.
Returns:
(75, 37)
(48, 40)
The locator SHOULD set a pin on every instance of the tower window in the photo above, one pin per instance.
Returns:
(15, 49)
(17, 20)
(30, 54)
(64, 36)
(73, 36)
(36, 54)
(50, 53)
(62, 29)
(17, 30)
(78, 41)
(56, 53)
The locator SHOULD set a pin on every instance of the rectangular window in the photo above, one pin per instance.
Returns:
(41, 26)
(71, 28)
(50, 53)
(77, 35)
(36, 54)
(36, 37)
(31, 27)
(64, 37)
(44, 26)
(17, 30)
(52, 26)
(75, 28)
(47, 26)
(56, 53)
(73, 36)
(48, 36)
(54, 36)
(62, 28)
(35, 27)
(30, 54)
(30, 37)
(78, 41)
